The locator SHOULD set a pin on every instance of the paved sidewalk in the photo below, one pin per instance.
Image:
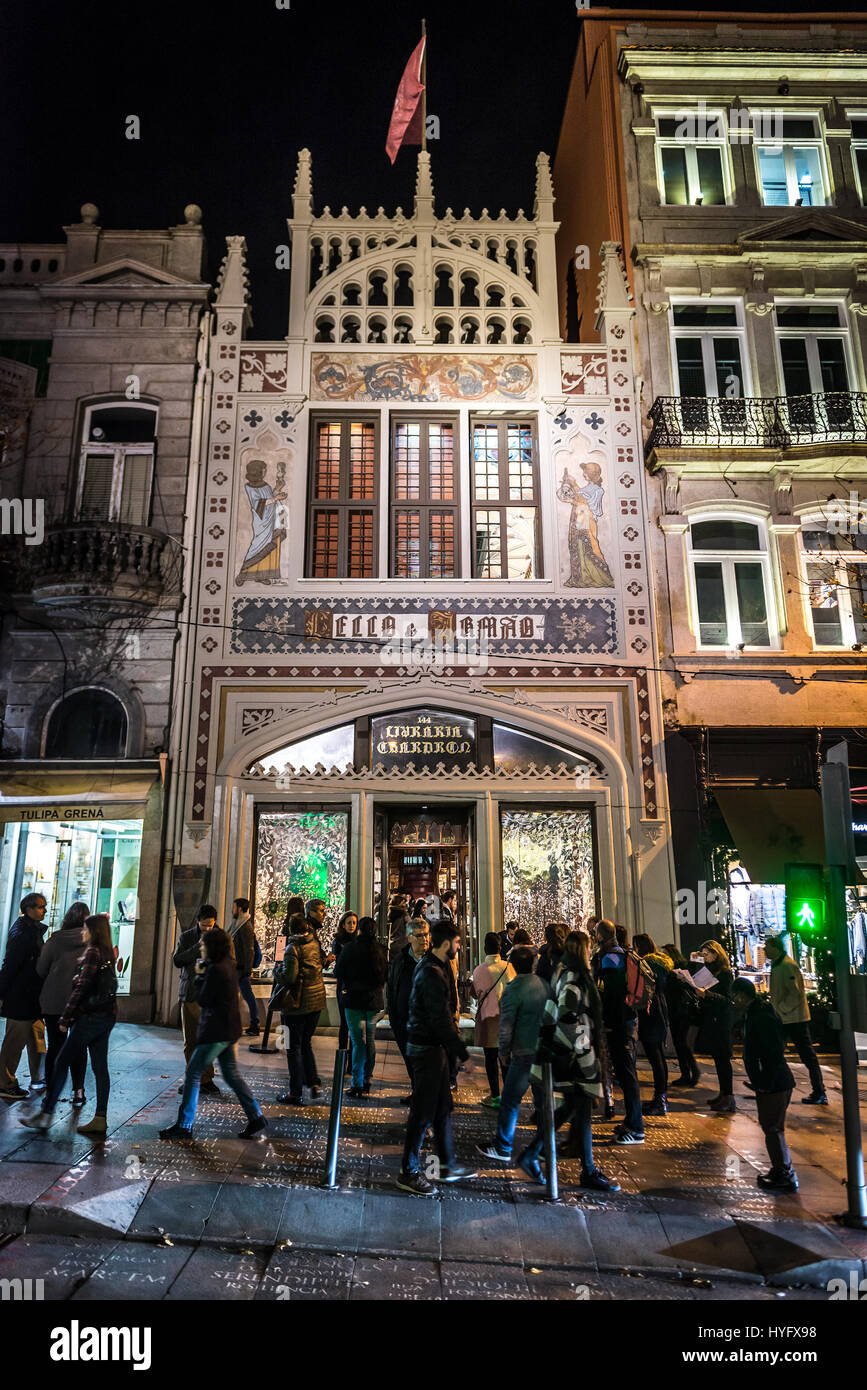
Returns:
(134, 1217)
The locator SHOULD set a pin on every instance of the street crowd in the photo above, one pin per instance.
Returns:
(582, 1003)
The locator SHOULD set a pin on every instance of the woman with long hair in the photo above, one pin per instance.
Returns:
(86, 1022)
(218, 1032)
(294, 908)
(715, 1030)
(683, 1016)
(571, 1039)
(347, 929)
(361, 971)
(57, 966)
(488, 982)
(653, 1023)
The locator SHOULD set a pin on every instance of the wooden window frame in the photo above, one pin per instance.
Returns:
(505, 504)
(343, 505)
(117, 452)
(424, 505)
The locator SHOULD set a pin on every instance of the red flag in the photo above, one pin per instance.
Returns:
(405, 128)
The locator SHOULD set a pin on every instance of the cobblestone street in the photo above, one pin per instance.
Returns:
(137, 1218)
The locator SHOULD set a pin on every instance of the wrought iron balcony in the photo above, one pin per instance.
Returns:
(103, 570)
(771, 422)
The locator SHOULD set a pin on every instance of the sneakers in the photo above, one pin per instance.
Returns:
(778, 1182)
(255, 1129)
(622, 1135)
(289, 1099)
(492, 1102)
(14, 1092)
(532, 1167)
(815, 1099)
(456, 1172)
(491, 1151)
(177, 1132)
(657, 1106)
(210, 1088)
(416, 1183)
(597, 1181)
(41, 1120)
(97, 1126)
(253, 1031)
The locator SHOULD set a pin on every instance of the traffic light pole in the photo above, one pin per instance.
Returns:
(837, 812)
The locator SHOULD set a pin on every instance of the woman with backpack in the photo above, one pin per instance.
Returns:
(347, 930)
(361, 971)
(715, 1030)
(58, 966)
(653, 1023)
(218, 1031)
(572, 1039)
(488, 982)
(299, 994)
(86, 1022)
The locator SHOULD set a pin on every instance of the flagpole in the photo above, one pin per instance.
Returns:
(424, 83)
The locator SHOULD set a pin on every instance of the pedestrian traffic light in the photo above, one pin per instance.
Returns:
(805, 900)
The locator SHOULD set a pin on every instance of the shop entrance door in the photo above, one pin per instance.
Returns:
(424, 852)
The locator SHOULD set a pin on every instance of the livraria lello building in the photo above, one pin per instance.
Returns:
(419, 643)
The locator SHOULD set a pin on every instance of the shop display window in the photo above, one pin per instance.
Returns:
(548, 868)
(304, 853)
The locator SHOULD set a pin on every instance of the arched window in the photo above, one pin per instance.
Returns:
(87, 724)
(444, 294)
(731, 579)
(117, 459)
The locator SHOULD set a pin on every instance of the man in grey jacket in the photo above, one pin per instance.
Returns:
(185, 957)
(522, 1006)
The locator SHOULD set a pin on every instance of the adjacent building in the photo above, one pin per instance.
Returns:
(99, 340)
(728, 155)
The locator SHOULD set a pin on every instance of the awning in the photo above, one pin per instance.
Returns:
(772, 828)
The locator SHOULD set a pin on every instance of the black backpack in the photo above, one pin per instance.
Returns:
(103, 993)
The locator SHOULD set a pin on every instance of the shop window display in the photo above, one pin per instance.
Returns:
(301, 853)
(548, 873)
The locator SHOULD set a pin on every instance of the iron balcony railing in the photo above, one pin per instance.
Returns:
(770, 422)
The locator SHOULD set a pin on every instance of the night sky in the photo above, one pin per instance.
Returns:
(227, 94)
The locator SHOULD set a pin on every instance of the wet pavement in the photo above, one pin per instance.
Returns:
(134, 1217)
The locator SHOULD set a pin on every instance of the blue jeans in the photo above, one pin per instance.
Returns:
(204, 1054)
(514, 1089)
(88, 1034)
(245, 985)
(363, 1035)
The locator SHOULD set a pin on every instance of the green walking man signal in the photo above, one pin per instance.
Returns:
(805, 899)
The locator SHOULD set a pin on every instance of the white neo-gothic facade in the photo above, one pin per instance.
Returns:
(421, 544)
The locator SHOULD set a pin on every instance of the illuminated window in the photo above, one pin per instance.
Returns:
(342, 532)
(424, 499)
(505, 500)
(731, 580)
(835, 568)
(859, 151)
(792, 171)
(692, 158)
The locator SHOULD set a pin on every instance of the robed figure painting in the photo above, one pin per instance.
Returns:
(588, 568)
(262, 561)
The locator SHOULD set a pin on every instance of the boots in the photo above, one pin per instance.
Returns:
(657, 1106)
(98, 1126)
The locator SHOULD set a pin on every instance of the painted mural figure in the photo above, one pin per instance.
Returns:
(587, 564)
(262, 561)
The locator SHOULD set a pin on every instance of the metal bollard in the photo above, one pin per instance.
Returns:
(263, 1045)
(553, 1190)
(340, 1059)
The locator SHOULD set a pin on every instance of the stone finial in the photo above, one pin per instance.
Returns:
(614, 292)
(89, 213)
(543, 208)
(193, 215)
(423, 177)
(233, 281)
(303, 189)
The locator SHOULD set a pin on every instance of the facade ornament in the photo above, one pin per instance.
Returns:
(782, 492)
(757, 298)
(671, 482)
(654, 298)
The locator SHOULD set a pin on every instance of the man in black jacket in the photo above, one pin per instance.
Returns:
(185, 957)
(769, 1074)
(432, 1041)
(400, 975)
(244, 941)
(19, 992)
